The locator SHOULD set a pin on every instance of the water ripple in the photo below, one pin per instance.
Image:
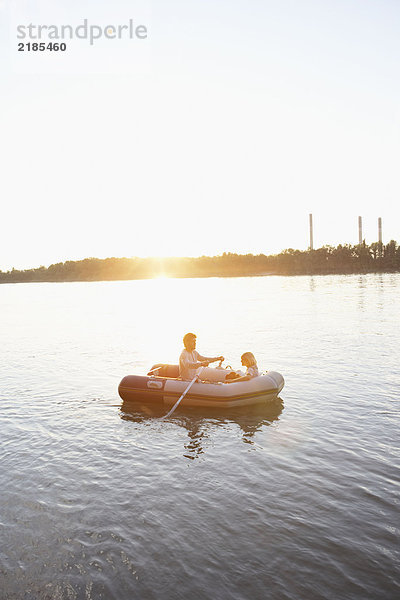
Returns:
(298, 500)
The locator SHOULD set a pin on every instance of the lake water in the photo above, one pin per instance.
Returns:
(296, 500)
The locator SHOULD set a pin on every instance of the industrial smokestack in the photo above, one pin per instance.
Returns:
(360, 237)
(311, 234)
(380, 235)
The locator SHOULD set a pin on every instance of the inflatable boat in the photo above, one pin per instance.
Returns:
(162, 384)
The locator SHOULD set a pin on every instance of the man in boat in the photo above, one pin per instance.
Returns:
(190, 360)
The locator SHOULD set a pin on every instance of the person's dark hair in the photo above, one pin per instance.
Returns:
(187, 338)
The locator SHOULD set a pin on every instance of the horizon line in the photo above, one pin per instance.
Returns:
(160, 258)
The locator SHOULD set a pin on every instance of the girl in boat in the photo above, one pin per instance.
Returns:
(248, 361)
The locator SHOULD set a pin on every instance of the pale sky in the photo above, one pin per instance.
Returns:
(220, 132)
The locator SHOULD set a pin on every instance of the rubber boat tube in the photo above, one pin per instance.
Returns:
(163, 385)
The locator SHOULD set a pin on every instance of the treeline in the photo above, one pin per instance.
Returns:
(326, 260)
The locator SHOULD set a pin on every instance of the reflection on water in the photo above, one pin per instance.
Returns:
(200, 422)
(362, 292)
(103, 501)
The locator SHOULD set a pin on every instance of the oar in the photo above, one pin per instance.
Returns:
(155, 370)
(183, 395)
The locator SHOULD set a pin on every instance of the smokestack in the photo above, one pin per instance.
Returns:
(360, 237)
(311, 234)
(380, 235)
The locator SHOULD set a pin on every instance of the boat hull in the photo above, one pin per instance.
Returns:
(258, 390)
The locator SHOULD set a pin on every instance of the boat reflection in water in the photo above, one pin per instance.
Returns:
(200, 422)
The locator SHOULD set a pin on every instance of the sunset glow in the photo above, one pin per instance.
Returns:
(220, 132)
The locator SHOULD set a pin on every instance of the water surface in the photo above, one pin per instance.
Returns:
(295, 500)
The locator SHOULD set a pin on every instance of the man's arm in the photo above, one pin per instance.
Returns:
(210, 358)
(200, 360)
